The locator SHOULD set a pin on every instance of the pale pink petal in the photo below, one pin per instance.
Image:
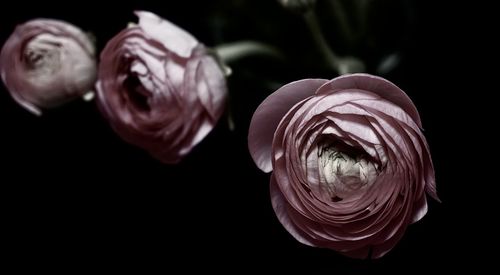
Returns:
(172, 37)
(377, 85)
(27, 105)
(420, 209)
(211, 87)
(268, 115)
(280, 208)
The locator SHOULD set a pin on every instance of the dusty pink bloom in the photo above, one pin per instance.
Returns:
(350, 164)
(46, 63)
(159, 88)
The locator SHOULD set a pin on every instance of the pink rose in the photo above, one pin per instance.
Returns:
(159, 88)
(46, 63)
(350, 164)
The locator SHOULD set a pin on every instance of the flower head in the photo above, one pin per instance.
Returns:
(159, 88)
(45, 63)
(350, 165)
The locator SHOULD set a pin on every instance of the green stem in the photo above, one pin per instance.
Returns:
(231, 52)
(318, 37)
(234, 51)
(342, 65)
(342, 19)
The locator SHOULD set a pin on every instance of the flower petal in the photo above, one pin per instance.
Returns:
(211, 87)
(172, 37)
(280, 208)
(374, 84)
(268, 115)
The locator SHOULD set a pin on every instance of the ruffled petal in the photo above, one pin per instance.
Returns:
(268, 115)
(172, 37)
(377, 85)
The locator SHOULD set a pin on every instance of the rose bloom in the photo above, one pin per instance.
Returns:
(46, 63)
(350, 165)
(159, 88)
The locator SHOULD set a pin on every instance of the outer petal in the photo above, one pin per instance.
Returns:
(377, 85)
(58, 27)
(419, 209)
(280, 208)
(268, 115)
(211, 87)
(172, 37)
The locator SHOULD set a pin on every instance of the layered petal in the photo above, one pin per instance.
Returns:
(350, 163)
(159, 88)
(46, 63)
(268, 115)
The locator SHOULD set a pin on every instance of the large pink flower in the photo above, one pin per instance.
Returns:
(350, 164)
(159, 88)
(45, 63)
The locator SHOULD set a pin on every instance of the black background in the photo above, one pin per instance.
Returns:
(74, 195)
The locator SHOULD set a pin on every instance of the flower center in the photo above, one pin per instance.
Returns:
(344, 172)
(137, 94)
(137, 84)
(42, 54)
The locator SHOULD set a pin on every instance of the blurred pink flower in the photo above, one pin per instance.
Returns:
(45, 63)
(350, 164)
(159, 88)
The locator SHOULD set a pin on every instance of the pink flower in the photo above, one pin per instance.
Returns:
(46, 63)
(159, 88)
(350, 164)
